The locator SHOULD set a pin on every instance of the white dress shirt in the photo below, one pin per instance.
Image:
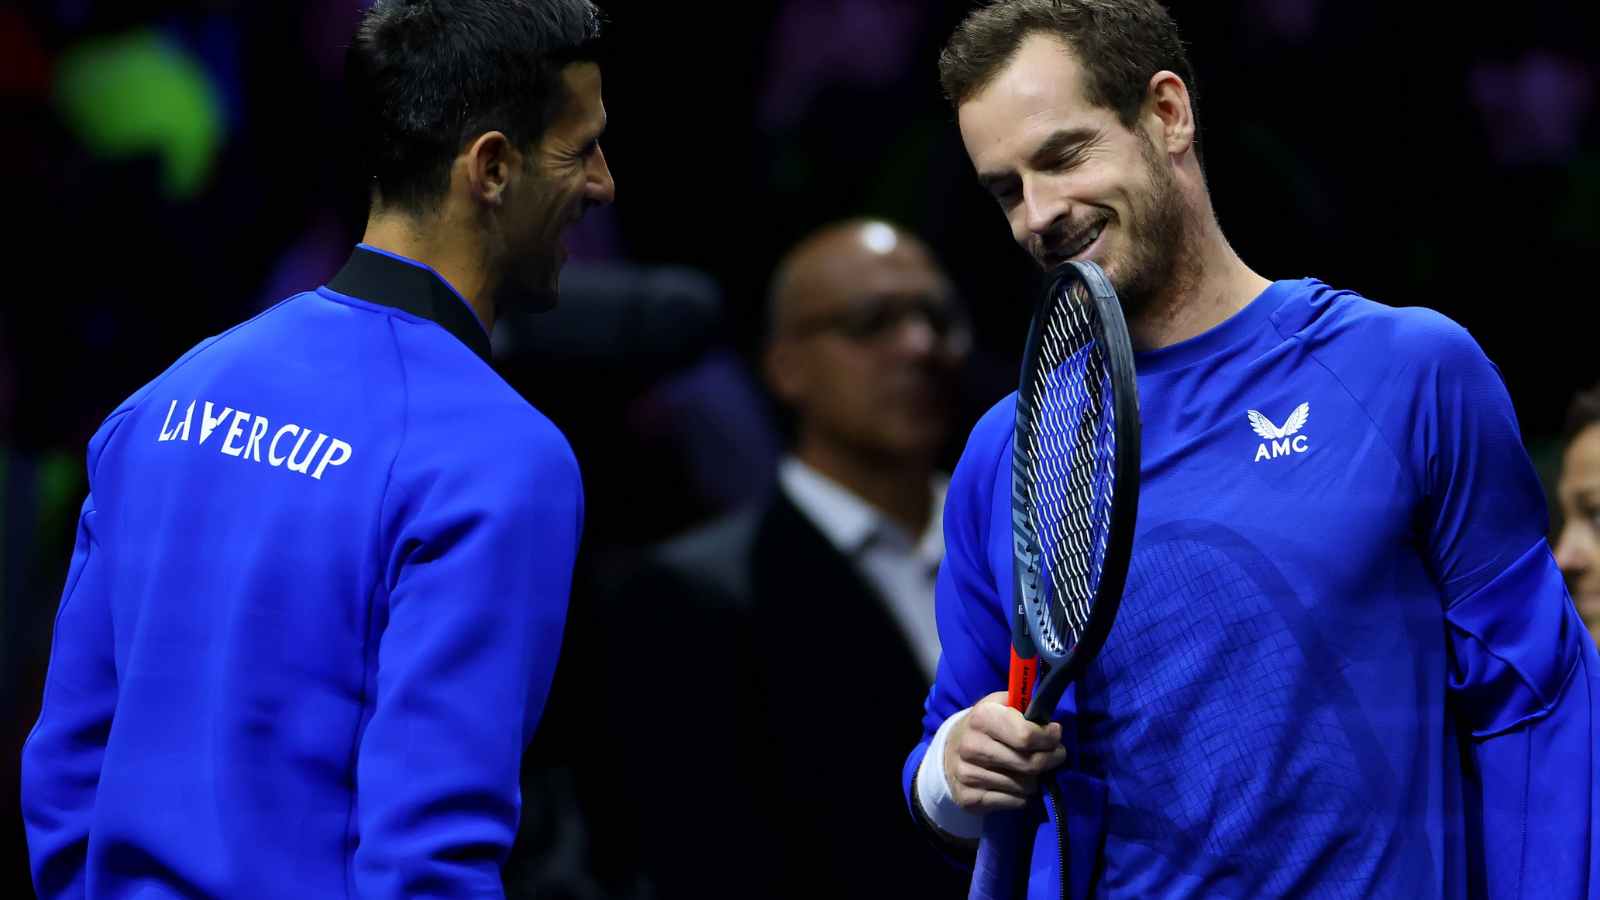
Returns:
(901, 568)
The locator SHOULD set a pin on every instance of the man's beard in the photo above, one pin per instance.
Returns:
(533, 284)
(1157, 238)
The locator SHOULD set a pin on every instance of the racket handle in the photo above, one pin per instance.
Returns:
(1001, 869)
(1024, 672)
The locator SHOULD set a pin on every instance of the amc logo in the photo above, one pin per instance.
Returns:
(1278, 442)
(1285, 447)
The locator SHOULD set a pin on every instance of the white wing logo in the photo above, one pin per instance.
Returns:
(1269, 432)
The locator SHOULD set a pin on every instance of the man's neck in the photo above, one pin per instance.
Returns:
(900, 489)
(1209, 284)
(457, 258)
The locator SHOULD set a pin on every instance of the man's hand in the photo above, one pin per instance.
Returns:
(993, 757)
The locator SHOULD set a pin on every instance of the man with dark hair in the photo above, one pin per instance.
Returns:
(1344, 663)
(1578, 491)
(321, 575)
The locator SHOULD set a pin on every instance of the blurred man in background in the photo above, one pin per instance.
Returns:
(810, 615)
(321, 575)
(1578, 492)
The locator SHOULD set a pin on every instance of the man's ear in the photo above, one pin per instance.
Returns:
(489, 162)
(1170, 112)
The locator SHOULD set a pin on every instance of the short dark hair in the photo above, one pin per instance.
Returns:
(426, 76)
(1584, 411)
(1120, 44)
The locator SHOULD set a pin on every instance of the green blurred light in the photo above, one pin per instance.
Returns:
(137, 94)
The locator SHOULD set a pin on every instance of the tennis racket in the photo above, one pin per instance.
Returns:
(1074, 498)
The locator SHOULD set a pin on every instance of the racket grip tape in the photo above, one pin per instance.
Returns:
(1024, 672)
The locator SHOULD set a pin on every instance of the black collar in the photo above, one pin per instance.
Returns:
(379, 278)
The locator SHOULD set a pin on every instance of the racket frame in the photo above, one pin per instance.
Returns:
(1037, 677)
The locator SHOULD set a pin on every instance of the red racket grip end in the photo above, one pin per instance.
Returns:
(1023, 674)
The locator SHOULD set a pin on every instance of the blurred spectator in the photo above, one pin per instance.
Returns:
(1578, 546)
(811, 613)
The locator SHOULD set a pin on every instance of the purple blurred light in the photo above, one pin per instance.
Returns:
(816, 43)
(1534, 108)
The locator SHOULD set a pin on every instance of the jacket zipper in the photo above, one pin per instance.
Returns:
(1061, 833)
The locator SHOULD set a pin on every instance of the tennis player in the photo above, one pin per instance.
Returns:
(320, 580)
(1578, 492)
(1345, 663)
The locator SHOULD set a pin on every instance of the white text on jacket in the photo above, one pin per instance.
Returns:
(246, 437)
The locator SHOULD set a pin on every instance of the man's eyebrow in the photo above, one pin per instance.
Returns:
(1059, 143)
(1049, 149)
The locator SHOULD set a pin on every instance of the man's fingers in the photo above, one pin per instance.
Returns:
(978, 778)
(991, 754)
(990, 801)
(1055, 758)
(1039, 739)
(1006, 725)
(979, 799)
(995, 756)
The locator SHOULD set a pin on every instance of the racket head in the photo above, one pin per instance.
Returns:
(1074, 481)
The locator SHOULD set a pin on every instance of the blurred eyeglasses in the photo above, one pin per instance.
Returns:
(878, 319)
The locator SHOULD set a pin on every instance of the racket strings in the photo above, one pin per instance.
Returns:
(1070, 451)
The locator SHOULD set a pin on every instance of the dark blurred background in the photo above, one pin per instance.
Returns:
(175, 167)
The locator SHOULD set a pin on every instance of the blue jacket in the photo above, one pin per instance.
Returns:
(313, 612)
(1345, 664)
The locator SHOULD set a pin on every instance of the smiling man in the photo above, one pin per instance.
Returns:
(321, 577)
(1345, 664)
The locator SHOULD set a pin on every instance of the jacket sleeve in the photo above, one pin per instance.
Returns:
(62, 757)
(485, 540)
(974, 635)
(1525, 678)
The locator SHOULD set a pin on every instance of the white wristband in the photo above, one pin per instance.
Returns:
(933, 789)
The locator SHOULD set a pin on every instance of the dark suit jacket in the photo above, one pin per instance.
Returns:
(778, 703)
